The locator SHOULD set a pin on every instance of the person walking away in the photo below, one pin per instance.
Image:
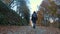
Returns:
(34, 19)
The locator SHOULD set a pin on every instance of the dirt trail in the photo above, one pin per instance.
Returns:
(28, 30)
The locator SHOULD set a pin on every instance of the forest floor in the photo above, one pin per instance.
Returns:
(28, 30)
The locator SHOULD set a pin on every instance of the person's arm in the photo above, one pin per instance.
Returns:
(32, 17)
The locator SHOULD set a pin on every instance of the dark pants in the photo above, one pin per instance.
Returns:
(34, 23)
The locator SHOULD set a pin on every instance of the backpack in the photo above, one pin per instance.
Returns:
(34, 16)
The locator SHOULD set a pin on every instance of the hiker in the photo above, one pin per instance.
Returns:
(34, 19)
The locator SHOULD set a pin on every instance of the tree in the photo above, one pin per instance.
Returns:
(8, 16)
(7, 2)
(53, 8)
(22, 10)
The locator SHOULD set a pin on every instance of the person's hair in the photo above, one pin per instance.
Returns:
(34, 12)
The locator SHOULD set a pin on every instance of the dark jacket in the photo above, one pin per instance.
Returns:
(34, 17)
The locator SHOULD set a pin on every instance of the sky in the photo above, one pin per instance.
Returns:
(34, 5)
(14, 6)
